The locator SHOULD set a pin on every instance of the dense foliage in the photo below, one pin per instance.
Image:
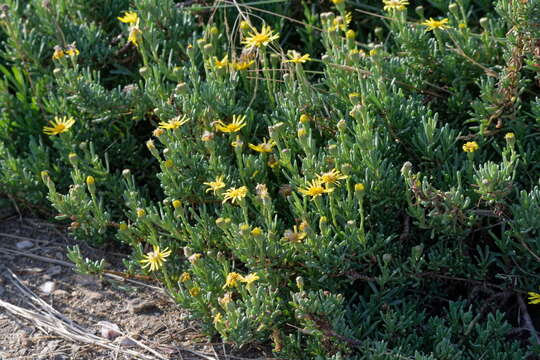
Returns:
(337, 179)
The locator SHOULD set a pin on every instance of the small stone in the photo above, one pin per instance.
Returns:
(139, 306)
(48, 287)
(60, 292)
(126, 342)
(109, 330)
(23, 245)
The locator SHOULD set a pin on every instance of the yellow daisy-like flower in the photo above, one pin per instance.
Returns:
(433, 24)
(236, 125)
(398, 5)
(135, 36)
(58, 53)
(315, 188)
(264, 147)
(223, 63)
(251, 278)
(233, 279)
(260, 38)
(130, 17)
(534, 298)
(297, 58)
(235, 194)
(59, 125)
(194, 291)
(294, 235)
(155, 259)
(184, 277)
(217, 318)
(242, 65)
(331, 177)
(72, 50)
(215, 185)
(174, 123)
(470, 146)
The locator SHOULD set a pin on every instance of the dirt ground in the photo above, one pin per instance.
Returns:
(33, 255)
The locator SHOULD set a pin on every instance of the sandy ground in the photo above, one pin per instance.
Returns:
(151, 325)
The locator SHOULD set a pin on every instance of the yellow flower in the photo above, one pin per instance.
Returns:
(315, 188)
(140, 212)
(238, 143)
(304, 118)
(232, 280)
(58, 53)
(534, 298)
(194, 291)
(174, 123)
(176, 204)
(462, 26)
(251, 278)
(509, 136)
(264, 147)
(257, 231)
(242, 65)
(337, 2)
(194, 258)
(294, 235)
(223, 63)
(398, 5)
(215, 185)
(59, 125)
(470, 146)
(236, 125)
(235, 194)
(225, 299)
(272, 162)
(130, 17)
(155, 259)
(135, 36)
(184, 277)
(260, 39)
(217, 318)
(359, 187)
(72, 50)
(297, 58)
(433, 24)
(331, 177)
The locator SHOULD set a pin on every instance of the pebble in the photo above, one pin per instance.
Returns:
(23, 245)
(126, 342)
(109, 330)
(48, 287)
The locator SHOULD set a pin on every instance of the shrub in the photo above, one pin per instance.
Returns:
(375, 198)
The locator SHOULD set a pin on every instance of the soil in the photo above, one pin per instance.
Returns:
(145, 314)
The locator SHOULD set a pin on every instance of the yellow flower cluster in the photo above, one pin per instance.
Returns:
(233, 278)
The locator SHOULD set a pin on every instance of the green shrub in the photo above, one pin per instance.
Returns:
(375, 198)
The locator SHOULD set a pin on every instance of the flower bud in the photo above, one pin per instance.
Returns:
(359, 188)
(419, 11)
(454, 9)
(355, 98)
(158, 132)
(387, 258)
(510, 138)
(350, 34)
(143, 71)
(406, 169)
(214, 31)
(73, 159)
(484, 23)
(187, 251)
(140, 212)
(91, 184)
(342, 125)
(379, 33)
(176, 204)
(126, 173)
(416, 251)
(300, 283)
(304, 118)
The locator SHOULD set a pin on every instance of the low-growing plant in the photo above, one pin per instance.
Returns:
(373, 198)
